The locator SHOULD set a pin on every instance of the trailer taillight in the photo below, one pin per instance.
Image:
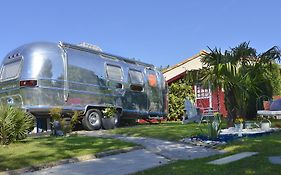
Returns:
(28, 83)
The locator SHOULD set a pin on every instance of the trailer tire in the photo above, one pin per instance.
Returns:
(92, 120)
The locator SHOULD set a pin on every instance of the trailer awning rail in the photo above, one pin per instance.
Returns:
(107, 55)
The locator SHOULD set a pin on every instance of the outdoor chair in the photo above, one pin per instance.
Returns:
(192, 114)
(207, 115)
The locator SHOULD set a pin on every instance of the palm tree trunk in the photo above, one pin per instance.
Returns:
(230, 107)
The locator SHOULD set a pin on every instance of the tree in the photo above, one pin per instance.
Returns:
(276, 80)
(242, 73)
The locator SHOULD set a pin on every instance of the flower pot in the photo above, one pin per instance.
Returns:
(238, 127)
(265, 126)
(266, 105)
(108, 123)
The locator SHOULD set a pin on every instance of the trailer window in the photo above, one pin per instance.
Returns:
(10, 70)
(136, 77)
(114, 72)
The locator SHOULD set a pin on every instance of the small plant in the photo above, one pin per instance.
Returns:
(239, 120)
(56, 113)
(109, 112)
(15, 124)
(74, 119)
(215, 126)
(60, 123)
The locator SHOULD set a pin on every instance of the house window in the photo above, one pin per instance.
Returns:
(202, 92)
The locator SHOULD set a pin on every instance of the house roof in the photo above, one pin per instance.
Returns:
(177, 71)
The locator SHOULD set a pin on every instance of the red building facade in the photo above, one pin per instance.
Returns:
(205, 98)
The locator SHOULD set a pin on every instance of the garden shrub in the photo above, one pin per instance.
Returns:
(15, 124)
(66, 127)
(178, 92)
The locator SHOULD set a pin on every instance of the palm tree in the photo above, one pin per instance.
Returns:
(240, 71)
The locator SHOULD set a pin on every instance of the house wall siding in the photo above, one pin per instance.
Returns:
(218, 101)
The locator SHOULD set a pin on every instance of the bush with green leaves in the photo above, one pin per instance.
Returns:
(15, 124)
(56, 115)
(109, 112)
(178, 92)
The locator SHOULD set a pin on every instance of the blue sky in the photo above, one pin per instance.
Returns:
(161, 32)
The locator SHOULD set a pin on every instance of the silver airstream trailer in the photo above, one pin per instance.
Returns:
(41, 76)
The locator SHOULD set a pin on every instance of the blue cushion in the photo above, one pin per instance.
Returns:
(276, 105)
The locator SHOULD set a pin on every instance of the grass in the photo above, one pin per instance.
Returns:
(266, 146)
(258, 164)
(35, 151)
(173, 131)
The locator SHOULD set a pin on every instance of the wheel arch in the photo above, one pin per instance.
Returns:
(102, 107)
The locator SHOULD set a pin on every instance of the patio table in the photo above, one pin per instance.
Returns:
(266, 114)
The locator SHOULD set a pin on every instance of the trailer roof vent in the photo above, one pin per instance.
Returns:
(90, 46)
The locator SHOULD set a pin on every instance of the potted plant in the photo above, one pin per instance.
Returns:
(238, 123)
(110, 117)
(264, 123)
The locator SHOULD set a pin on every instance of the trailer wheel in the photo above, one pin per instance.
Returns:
(92, 119)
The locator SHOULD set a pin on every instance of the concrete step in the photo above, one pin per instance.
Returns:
(232, 158)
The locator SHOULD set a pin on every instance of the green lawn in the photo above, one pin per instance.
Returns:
(258, 164)
(35, 151)
(173, 131)
(266, 146)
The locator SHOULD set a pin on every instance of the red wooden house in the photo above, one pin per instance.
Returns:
(204, 98)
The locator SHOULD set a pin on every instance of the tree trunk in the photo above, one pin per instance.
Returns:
(230, 107)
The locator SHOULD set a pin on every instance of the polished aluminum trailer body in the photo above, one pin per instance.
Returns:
(42, 76)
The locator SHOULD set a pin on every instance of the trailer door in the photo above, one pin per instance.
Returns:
(155, 102)
(135, 99)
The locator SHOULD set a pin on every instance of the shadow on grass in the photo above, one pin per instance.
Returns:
(36, 151)
(267, 145)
